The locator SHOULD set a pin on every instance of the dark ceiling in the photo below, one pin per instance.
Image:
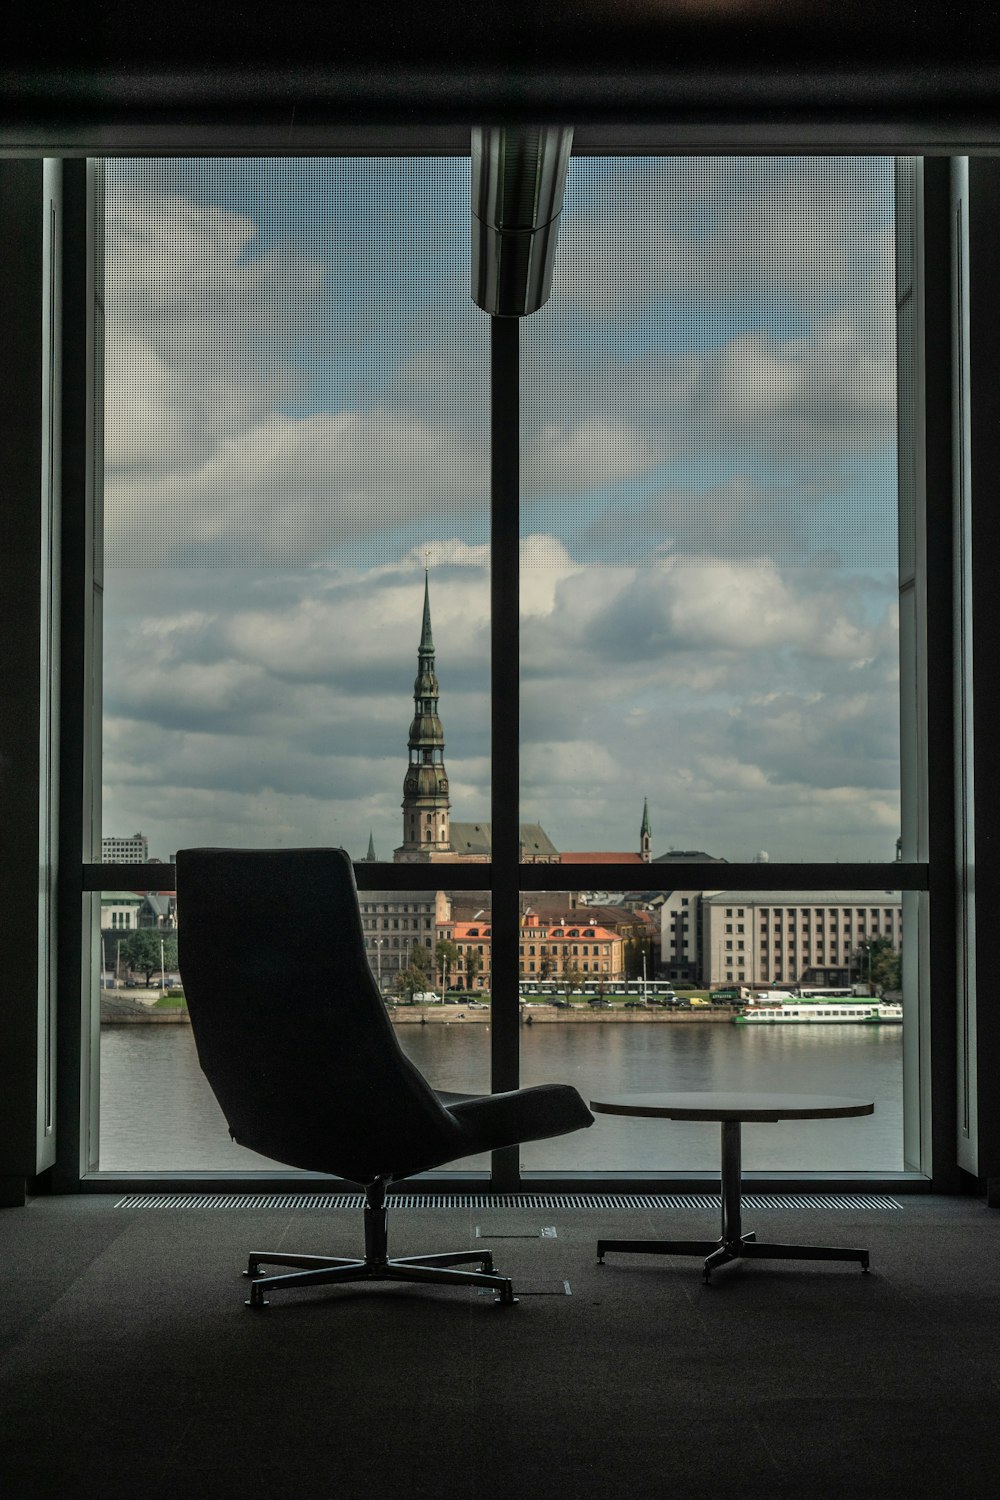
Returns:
(882, 64)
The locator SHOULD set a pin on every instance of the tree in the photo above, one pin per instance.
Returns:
(473, 964)
(544, 967)
(876, 959)
(141, 951)
(572, 978)
(422, 960)
(415, 977)
(887, 967)
(445, 957)
(409, 980)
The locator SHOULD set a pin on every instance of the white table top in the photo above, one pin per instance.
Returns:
(710, 1104)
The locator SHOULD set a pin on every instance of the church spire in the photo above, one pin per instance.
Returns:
(426, 639)
(645, 834)
(425, 786)
(371, 857)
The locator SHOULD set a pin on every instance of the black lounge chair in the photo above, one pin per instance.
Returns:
(295, 1041)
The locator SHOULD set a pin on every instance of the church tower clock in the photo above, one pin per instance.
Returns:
(426, 803)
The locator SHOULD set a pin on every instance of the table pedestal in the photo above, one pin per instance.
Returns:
(734, 1244)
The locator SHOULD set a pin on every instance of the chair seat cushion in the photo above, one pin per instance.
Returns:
(490, 1121)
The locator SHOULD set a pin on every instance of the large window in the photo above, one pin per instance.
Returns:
(297, 501)
(295, 508)
(710, 598)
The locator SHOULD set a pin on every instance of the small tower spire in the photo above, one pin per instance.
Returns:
(426, 639)
(645, 834)
(371, 857)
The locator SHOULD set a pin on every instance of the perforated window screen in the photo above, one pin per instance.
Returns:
(295, 372)
(714, 377)
(710, 522)
(296, 422)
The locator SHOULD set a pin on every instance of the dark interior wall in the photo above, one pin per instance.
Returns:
(67, 67)
(784, 72)
(984, 466)
(21, 771)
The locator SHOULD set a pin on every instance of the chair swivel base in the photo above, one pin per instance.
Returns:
(721, 1252)
(332, 1270)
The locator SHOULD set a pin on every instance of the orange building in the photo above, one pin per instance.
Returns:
(546, 952)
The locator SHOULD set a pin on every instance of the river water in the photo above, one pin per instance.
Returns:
(158, 1113)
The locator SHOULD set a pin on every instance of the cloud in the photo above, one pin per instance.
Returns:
(292, 491)
(201, 331)
(798, 231)
(739, 712)
(279, 460)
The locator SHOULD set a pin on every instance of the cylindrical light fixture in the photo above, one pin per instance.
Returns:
(518, 181)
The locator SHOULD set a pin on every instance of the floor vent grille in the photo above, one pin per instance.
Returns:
(655, 1201)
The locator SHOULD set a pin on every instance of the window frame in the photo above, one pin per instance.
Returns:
(919, 875)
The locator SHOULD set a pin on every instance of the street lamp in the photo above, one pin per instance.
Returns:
(378, 959)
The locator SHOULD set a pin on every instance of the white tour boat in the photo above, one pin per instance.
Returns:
(852, 1012)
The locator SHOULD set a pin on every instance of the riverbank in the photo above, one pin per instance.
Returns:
(118, 1009)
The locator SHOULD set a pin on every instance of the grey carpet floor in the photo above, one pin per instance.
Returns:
(129, 1365)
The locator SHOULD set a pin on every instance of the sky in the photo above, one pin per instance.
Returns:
(296, 422)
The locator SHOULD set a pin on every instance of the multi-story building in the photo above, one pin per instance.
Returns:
(780, 938)
(547, 951)
(116, 850)
(681, 936)
(120, 911)
(394, 922)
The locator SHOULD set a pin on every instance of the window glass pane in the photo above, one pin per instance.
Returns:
(295, 529)
(709, 512)
(710, 645)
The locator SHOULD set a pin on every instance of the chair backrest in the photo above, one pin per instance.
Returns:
(290, 1027)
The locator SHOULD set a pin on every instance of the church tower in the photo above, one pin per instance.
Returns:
(426, 829)
(645, 835)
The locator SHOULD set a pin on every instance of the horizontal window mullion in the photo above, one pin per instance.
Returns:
(713, 877)
(902, 876)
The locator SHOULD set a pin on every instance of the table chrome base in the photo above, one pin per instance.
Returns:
(734, 1244)
(720, 1252)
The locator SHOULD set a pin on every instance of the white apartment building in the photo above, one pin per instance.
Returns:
(392, 922)
(780, 938)
(125, 851)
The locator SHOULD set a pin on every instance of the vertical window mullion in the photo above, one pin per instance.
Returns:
(505, 717)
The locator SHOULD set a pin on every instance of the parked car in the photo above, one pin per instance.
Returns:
(635, 1005)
